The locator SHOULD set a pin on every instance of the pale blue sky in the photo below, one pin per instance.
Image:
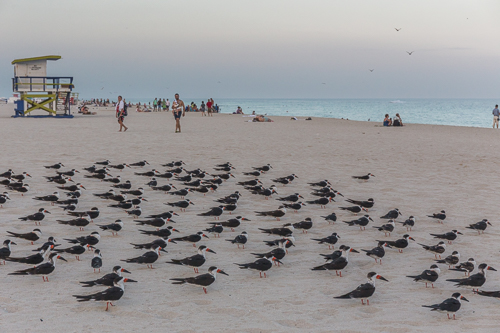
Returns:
(260, 48)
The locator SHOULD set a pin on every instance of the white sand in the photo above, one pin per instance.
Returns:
(419, 169)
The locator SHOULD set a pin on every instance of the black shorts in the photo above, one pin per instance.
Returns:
(177, 115)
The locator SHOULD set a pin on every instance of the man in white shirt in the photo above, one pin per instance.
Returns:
(119, 114)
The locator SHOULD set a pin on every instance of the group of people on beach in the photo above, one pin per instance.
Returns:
(393, 122)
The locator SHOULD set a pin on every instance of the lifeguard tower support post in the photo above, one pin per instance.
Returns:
(39, 91)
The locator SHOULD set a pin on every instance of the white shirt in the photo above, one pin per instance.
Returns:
(120, 106)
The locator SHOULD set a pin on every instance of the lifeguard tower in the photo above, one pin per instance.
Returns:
(39, 91)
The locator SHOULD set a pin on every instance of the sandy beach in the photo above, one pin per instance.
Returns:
(420, 169)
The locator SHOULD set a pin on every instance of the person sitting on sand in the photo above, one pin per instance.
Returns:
(397, 120)
(387, 120)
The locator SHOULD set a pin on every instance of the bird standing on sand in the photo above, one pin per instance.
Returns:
(450, 305)
(427, 276)
(43, 269)
(365, 290)
(96, 262)
(240, 239)
(109, 295)
(203, 280)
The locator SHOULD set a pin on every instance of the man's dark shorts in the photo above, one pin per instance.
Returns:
(177, 115)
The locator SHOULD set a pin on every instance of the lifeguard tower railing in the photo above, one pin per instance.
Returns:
(53, 90)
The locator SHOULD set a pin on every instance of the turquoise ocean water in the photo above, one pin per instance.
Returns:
(456, 112)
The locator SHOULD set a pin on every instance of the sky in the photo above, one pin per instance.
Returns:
(259, 48)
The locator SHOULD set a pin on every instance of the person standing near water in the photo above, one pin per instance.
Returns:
(496, 114)
(178, 110)
(120, 108)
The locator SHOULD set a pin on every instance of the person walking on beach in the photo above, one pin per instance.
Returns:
(120, 109)
(496, 114)
(155, 104)
(210, 105)
(178, 110)
(168, 104)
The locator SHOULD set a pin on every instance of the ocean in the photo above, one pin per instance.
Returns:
(454, 112)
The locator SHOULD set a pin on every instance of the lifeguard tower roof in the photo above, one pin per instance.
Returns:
(49, 57)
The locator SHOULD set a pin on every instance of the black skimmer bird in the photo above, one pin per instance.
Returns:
(156, 222)
(70, 201)
(334, 255)
(321, 183)
(387, 228)
(37, 217)
(91, 169)
(215, 229)
(139, 164)
(278, 253)
(43, 269)
(286, 230)
(224, 176)
(450, 236)
(439, 216)
(5, 251)
(164, 233)
(72, 188)
(232, 198)
(332, 194)
(240, 239)
(264, 168)
(148, 258)
(34, 259)
(253, 182)
(137, 193)
(495, 294)
(216, 212)
(50, 241)
(96, 261)
(177, 171)
(69, 208)
(364, 290)
(106, 195)
(76, 194)
(106, 162)
(467, 266)
(194, 183)
(378, 252)
(59, 180)
(119, 166)
(354, 209)
(7, 174)
(276, 242)
(427, 276)
(3, 198)
(76, 250)
(107, 280)
(127, 185)
(322, 202)
(266, 192)
(262, 265)
(152, 173)
(337, 264)
(7, 181)
(230, 207)
(187, 178)
(475, 280)
(32, 236)
(100, 176)
(365, 177)
(401, 243)
(295, 206)
(162, 242)
(450, 305)
(182, 192)
(194, 238)
(21, 176)
(173, 164)
(365, 204)
(52, 198)
(93, 213)
(123, 205)
(330, 240)
(21, 189)
(362, 222)
(113, 227)
(291, 198)
(70, 173)
(203, 280)
(450, 260)
(135, 213)
(479, 226)
(285, 180)
(152, 183)
(392, 214)
(279, 213)
(119, 198)
(332, 218)
(252, 173)
(183, 204)
(304, 225)
(226, 168)
(91, 239)
(231, 223)
(204, 189)
(166, 215)
(409, 223)
(436, 249)
(55, 166)
(109, 295)
(195, 261)
(80, 222)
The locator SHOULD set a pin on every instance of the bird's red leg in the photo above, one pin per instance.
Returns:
(205, 290)
(107, 306)
(260, 274)
(367, 301)
(265, 275)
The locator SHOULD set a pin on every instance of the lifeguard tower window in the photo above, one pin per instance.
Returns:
(39, 91)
